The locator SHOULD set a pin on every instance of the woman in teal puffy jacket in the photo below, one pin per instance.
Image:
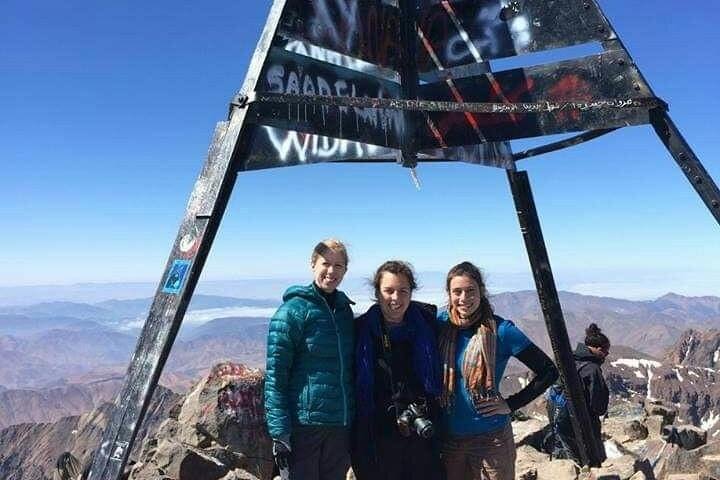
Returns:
(309, 395)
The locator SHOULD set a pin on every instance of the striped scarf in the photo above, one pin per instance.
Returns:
(478, 365)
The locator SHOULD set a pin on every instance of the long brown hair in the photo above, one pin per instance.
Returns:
(467, 269)
(478, 363)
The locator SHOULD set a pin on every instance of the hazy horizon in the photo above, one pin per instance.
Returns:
(648, 286)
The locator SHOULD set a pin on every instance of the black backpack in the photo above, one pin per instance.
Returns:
(559, 440)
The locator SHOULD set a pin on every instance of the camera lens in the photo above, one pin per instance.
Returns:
(424, 428)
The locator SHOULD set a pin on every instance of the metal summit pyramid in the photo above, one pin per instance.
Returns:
(405, 81)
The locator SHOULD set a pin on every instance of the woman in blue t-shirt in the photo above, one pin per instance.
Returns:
(475, 346)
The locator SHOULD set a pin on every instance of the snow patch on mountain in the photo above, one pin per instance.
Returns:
(636, 363)
(710, 421)
(689, 347)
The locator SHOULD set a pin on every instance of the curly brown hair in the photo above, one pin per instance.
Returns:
(396, 267)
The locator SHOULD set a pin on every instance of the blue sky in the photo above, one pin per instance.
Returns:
(106, 112)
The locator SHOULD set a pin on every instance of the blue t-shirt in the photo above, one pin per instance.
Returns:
(462, 419)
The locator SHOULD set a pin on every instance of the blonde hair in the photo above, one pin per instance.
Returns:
(327, 245)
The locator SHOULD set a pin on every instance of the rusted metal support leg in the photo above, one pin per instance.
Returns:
(192, 245)
(550, 304)
(205, 210)
(686, 159)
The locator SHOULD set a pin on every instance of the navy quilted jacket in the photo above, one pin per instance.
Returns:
(309, 362)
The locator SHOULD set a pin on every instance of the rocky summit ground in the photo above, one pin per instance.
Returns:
(31, 451)
(216, 432)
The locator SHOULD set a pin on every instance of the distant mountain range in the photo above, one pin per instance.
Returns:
(687, 378)
(51, 344)
(60, 349)
(67, 355)
(49, 375)
(54, 344)
(697, 349)
(50, 404)
(119, 314)
(98, 292)
(649, 326)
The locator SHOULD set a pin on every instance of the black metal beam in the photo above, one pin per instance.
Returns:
(204, 212)
(409, 79)
(568, 142)
(670, 135)
(686, 159)
(550, 304)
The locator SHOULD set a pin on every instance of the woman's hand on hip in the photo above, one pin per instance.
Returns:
(495, 406)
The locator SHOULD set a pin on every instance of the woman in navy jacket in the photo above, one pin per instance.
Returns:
(397, 382)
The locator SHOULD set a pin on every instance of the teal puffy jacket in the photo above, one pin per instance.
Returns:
(309, 362)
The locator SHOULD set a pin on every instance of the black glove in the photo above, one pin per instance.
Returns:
(281, 454)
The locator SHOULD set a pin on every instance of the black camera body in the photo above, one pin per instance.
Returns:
(414, 418)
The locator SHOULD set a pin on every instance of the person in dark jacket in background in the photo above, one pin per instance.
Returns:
(397, 382)
(589, 356)
(309, 396)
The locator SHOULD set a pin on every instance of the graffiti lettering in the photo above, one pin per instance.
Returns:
(379, 38)
(570, 87)
(342, 28)
(450, 122)
(461, 35)
(304, 147)
(335, 58)
(489, 35)
(297, 81)
(520, 31)
(243, 403)
(365, 29)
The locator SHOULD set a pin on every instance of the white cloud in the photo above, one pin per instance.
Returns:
(199, 317)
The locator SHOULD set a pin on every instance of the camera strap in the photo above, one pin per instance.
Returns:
(385, 340)
(385, 361)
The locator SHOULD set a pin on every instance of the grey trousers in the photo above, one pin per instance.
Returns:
(489, 456)
(319, 453)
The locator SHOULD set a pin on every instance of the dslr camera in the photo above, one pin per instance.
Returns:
(414, 418)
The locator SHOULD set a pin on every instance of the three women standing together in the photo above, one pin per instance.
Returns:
(425, 384)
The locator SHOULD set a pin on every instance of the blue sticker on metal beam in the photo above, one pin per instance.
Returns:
(176, 277)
